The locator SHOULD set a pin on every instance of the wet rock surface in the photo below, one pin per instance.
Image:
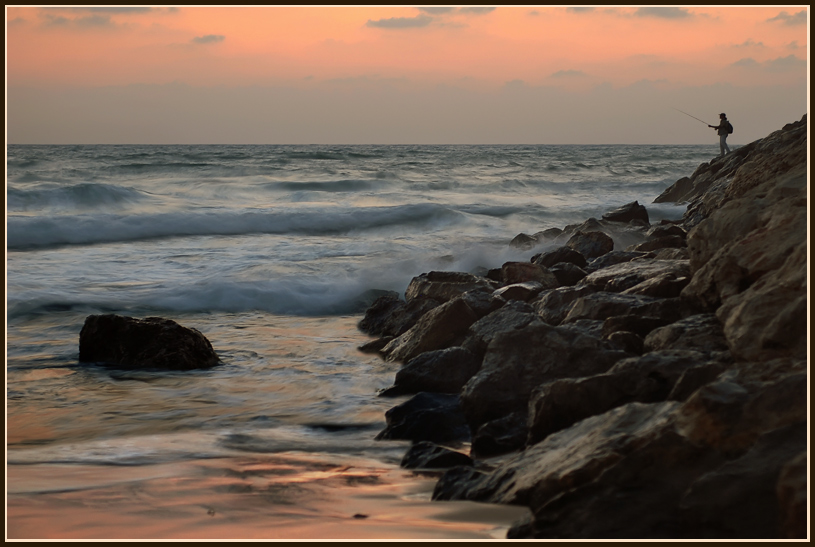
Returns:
(656, 390)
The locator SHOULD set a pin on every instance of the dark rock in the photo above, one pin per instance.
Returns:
(677, 192)
(439, 371)
(567, 274)
(613, 257)
(591, 244)
(602, 305)
(523, 241)
(664, 285)
(456, 483)
(657, 243)
(519, 359)
(152, 342)
(548, 235)
(483, 301)
(391, 316)
(554, 305)
(375, 346)
(672, 254)
(626, 341)
(433, 417)
(561, 403)
(522, 272)
(428, 455)
(506, 434)
(627, 213)
(558, 255)
(739, 499)
(638, 324)
(437, 329)
(792, 498)
(588, 327)
(694, 378)
(514, 315)
(519, 291)
(662, 230)
(701, 332)
(625, 275)
(444, 286)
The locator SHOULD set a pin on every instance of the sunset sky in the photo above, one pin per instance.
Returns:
(402, 75)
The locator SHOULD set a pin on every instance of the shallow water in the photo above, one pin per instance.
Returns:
(271, 252)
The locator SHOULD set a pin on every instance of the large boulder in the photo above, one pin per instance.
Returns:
(558, 255)
(428, 455)
(522, 272)
(437, 329)
(602, 305)
(444, 286)
(150, 343)
(699, 332)
(389, 315)
(439, 371)
(514, 315)
(591, 244)
(627, 213)
(626, 275)
(518, 360)
(434, 417)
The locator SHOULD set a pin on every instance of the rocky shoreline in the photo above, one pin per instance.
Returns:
(630, 380)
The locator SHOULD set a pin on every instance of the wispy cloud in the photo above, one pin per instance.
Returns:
(663, 12)
(781, 64)
(477, 10)
(750, 43)
(401, 22)
(568, 74)
(799, 18)
(436, 10)
(209, 39)
(579, 9)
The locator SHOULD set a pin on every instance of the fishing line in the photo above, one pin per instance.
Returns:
(694, 117)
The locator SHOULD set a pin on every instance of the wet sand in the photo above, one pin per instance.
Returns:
(280, 496)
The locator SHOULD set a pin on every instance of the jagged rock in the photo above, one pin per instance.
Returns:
(672, 254)
(428, 455)
(440, 371)
(591, 244)
(567, 274)
(514, 315)
(437, 329)
(522, 272)
(518, 360)
(506, 434)
(620, 474)
(627, 213)
(444, 286)
(730, 413)
(561, 403)
(602, 305)
(375, 346)
(626, 341)
(558, 255)
(520, 291)
(483, 301)
(664, 285)
(389, 315)
(553, 306)
(700, 332)
(694, 378)
(548, 235)
(523, 241)
(658, 243)
(792, 498)
(638, 324)
(620, 277)
(663, 230)
(614, 257)
(152, 342)
(676, 192)
(434, 417)
(739, 500)
(589, 327)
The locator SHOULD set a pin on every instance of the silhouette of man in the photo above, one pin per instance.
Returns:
(723, 129)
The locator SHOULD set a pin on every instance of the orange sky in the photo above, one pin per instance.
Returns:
(410, 48)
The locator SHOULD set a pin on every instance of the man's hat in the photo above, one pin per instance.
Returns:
(723, 114)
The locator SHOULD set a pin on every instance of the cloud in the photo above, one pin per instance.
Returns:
(579, 9)
(785, 18)
(663, 12)
(94, 21)
(781, 64)
(793, 45)
(568, 74)
(436, 10)
(401, 22)
(750, 43)
(16, 22)
(209, 39)
(102, 9)
(477, 10)
(746, 62)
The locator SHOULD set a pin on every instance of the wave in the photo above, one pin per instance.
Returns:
(27, 232)
(77, 196)
(349, 185)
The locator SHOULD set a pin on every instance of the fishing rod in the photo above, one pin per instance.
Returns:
(694, 117)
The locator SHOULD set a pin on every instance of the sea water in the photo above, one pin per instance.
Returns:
(272, 252)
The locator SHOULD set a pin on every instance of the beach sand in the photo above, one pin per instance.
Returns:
(279, 496)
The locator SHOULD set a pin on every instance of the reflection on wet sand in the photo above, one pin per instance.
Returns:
(284, 496)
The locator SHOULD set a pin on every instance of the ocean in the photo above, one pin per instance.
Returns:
(273, 253)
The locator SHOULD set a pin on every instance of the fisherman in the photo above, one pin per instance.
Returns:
(723, 129)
